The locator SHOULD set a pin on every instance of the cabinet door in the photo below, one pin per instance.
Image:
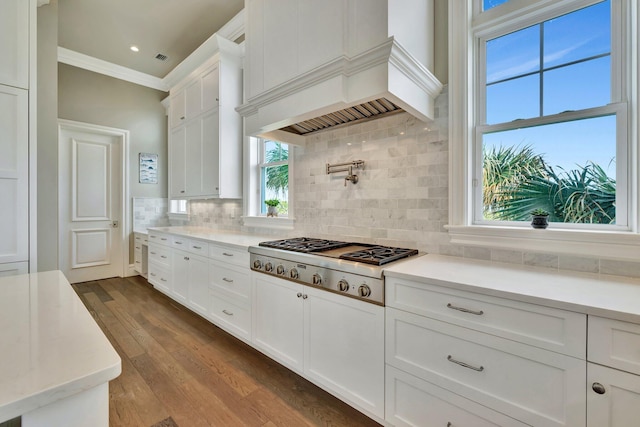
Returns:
(14, 163)
(180, 275)
(193, 99)
(619, 405)
(211, 154)
(177, 166)
(14, 43)
(277, 319)
(344, 348)
(198, 293)
(193, 158)
(210, 89)
(177, 113)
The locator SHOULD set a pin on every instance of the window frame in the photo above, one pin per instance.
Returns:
(467, 25)
(253, 216)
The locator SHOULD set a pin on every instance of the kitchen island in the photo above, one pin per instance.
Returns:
(56, 363)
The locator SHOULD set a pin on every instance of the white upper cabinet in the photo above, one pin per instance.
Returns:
(205, 142)
(14, 43)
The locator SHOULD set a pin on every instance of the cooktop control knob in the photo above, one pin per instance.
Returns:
(316, 279)
(257, 264)
(364, 290)
(343, 285)
(293, 273)
(268, 267)
(280, 269)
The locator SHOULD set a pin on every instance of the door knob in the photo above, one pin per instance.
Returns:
(114, 224)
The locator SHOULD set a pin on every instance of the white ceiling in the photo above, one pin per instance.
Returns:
(105, 29)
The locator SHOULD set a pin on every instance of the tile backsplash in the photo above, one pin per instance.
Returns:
(401, 198)
(149, 212)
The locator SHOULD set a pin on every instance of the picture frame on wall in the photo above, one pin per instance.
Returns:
(148, 168)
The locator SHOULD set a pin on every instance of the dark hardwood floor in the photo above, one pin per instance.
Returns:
(180, 370)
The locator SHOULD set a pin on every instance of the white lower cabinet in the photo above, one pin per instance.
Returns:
(191, 280)
(613, 397)
(332, 340)
(412, 402)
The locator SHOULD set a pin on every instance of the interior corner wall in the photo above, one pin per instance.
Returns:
(47, 144)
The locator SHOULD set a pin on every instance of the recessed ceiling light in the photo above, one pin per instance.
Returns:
(134, 48)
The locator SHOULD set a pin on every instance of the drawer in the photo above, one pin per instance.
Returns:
(413, 402)
(160, 254)
(535, 386)
(614, 343)
(549, 328)
(231, 315)
(180, 242)
(137, 260)
(159, 238)
(199, 247)
(227, 255)
(233, 280)
(160, 277)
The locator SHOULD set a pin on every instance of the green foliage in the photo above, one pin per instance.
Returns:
(277, 177)
(539, 212)
(272, 202)
(517, 182)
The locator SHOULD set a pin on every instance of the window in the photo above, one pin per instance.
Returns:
(267, 176)
(178, 209)
(547, 129)
(540, 96)
(274, 175)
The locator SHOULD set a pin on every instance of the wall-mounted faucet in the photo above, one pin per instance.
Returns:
(346, 167)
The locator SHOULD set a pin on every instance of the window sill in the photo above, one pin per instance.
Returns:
(599, 244)
(265, 222)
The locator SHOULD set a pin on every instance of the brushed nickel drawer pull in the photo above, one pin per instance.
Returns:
(228, 313)
(449, 424)
(163, 238)
(163, 279)
(197, 247)
(227, 254)
(466, 365)
(163, 256)
(227, 280)
(153, 274)
(153, 253)
(465, 310)
(178, 243)
(153, 237)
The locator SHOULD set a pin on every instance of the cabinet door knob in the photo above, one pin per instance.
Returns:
(299, 294)
(598, 388)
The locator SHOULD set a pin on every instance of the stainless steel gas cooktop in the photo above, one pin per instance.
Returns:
(351, 269)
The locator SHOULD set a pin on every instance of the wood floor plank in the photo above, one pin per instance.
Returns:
(129, 345)
(277, 410)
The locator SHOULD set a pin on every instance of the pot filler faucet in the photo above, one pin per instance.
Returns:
(346, 167)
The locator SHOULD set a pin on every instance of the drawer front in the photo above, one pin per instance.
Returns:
(614, 343)
(231, 315)
(412, 402)
(159, 238)
(160, 254)
(198, 247)
(235, 281)
(137, 259)
(160, 277)
(227, 255)
(180, 242)
(544, 327)
(535, 386)
(141, 238)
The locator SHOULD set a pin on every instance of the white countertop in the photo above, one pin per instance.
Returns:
(608, 296)
(51, 346)
(236, 239)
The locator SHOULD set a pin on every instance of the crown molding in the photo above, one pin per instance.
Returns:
(96, 65)
(233, 29)
(43, 2)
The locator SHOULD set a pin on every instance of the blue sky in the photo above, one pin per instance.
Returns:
(578, 44)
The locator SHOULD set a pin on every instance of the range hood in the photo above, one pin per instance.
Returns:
(317, 65)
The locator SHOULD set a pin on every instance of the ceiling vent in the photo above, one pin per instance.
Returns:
(162, 57)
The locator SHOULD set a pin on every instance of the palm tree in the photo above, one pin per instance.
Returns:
(517, 182)
(277, 177)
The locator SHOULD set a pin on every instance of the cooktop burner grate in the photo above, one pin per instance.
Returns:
(379, 255)
(304, 244)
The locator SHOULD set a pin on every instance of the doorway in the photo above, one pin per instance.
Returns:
(93, 165)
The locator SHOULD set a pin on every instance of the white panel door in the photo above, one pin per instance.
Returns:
(91, 176)
(14, 178)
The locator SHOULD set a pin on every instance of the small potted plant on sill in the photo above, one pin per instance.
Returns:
(540, 218)
(272, 207)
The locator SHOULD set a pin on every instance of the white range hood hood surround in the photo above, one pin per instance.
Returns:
(384, 77)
